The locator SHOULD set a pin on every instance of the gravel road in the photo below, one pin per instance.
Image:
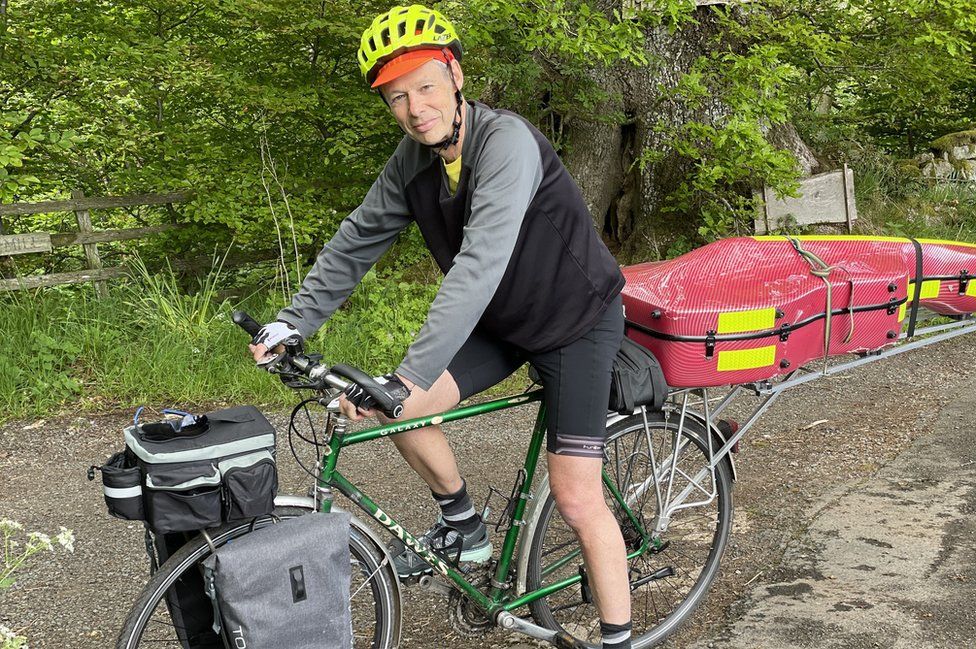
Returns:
(821, 440)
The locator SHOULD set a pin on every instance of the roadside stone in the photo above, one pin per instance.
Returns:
(967, 169)
(965, 152)
(960, 145)
(937, 169)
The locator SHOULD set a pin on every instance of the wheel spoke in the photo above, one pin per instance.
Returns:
(695, 536)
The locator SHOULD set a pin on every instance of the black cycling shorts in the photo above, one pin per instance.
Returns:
(575, 379)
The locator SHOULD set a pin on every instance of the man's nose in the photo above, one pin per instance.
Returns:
(415, 106)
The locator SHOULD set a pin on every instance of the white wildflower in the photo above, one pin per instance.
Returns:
(40, 539)
(66, 539)
(8, 525)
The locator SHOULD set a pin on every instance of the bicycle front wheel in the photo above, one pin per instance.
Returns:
(373, 594)
(669, 579)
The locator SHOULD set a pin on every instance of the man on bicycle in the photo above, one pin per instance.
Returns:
(527, 279)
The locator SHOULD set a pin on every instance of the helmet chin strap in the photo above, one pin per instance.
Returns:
(455, 135)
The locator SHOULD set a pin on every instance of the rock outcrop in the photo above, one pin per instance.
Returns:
(951, 156)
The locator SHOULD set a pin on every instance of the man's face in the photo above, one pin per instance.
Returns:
(423, 101)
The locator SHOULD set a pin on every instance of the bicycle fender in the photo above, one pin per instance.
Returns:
(530, 522)
(717, 438)
(613, 418)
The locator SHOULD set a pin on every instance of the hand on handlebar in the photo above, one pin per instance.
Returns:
(356, 404)
(269, 342)
(305, 371)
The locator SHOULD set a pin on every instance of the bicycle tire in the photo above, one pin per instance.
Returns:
(376, 623)
(671, 599)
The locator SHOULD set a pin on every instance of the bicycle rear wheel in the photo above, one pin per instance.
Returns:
(374, 596)
(667, 585)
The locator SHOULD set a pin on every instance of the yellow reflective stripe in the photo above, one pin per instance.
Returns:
(930, 289)
(971, 289)
(944, 242)
(902, 310)
(835, 237)
(753, 320)
(746, 359)
(862, 237)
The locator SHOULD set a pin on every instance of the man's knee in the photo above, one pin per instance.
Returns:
(443, 395)
(577, 488)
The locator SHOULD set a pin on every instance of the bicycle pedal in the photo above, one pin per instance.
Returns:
(565, 641)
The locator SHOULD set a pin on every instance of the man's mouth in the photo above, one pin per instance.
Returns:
(425, 126)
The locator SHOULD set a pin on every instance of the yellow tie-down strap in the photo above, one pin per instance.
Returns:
(746, 359)
(733, 322)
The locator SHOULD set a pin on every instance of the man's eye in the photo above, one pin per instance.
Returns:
(396, 99)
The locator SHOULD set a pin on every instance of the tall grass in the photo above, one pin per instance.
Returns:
(150, 342)
(118, 352)
(894, 200)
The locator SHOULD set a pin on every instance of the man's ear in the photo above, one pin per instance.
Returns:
(458, 74)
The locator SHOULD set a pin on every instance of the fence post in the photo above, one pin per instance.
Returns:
(91, 249)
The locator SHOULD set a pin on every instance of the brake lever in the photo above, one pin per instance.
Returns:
(271, 362)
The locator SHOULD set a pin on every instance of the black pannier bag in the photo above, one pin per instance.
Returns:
(189, 608)
(122, 486)
(636, 379)
(191, 482)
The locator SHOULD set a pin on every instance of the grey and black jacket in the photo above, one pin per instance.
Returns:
(521, 258)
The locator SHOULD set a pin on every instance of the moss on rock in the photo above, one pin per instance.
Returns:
(951, 140)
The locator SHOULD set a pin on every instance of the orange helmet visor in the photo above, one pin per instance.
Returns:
(408, 62)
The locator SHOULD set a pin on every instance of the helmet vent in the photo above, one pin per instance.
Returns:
(439, 29)
(420, 26)
(385, 36)
(401, 29)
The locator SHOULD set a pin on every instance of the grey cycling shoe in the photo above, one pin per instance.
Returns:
(475, 548)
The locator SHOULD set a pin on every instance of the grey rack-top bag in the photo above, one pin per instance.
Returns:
(190, 482)
(284, 585)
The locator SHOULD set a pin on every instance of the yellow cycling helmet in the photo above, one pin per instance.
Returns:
(401, 30)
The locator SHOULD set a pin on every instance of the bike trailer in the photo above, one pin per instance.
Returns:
(746, 309)
(284, 585)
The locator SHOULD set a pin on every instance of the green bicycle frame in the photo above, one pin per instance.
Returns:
(497, 597)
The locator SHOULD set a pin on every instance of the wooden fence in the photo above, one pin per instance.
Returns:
(86, 236)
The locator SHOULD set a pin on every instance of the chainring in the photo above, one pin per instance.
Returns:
(467, 619)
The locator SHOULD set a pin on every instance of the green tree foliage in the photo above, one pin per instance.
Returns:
(243, 102)
(259, 107)
(895, 73)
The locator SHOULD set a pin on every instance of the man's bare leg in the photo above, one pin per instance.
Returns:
(578, 490)
(426, 449)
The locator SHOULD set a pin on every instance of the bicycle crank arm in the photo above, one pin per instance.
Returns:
(560, 639)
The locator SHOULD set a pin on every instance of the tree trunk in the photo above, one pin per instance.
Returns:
(626, 200)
